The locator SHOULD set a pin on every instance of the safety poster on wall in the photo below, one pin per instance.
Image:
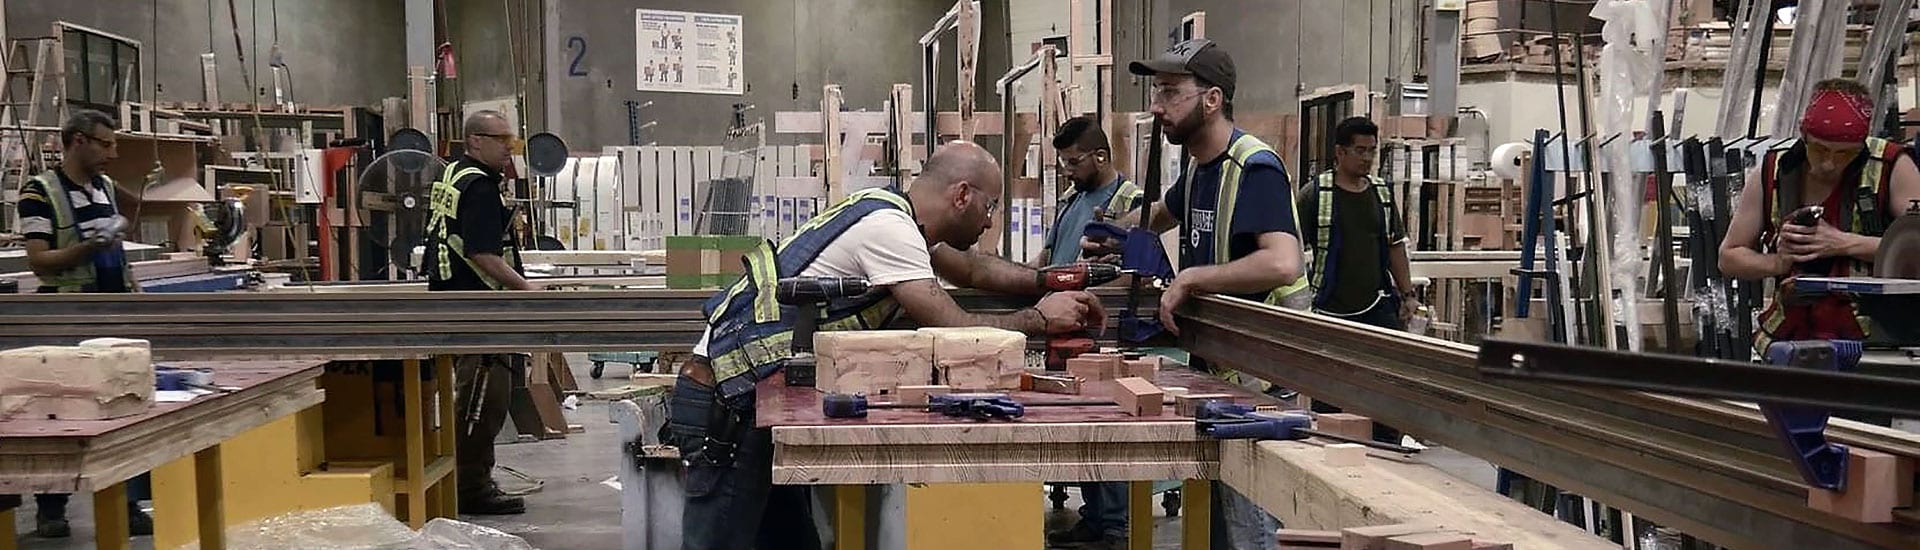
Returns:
(689, 52)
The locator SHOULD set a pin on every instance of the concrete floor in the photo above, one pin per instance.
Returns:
(574, 509)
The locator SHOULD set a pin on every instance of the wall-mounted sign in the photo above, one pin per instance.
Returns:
(689, 52)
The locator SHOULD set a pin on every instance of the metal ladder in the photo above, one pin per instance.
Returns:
(25, 64)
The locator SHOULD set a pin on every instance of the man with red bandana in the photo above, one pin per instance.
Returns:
(1858, 184)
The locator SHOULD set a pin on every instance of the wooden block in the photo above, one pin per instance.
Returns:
(1189, 404)
(1173, 393)
(871, 361)
(918, 395)
(1375, 537)
(1145, 367)
(1869, 495)
(1344, 455)
(1308, 537)
(1043, 383)
(75, 383)
(978, 358)
(1350, 425)
(1138, 397)
(1430, 541)
(1097, 366)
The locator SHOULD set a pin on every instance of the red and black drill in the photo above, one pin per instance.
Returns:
(1074, 276)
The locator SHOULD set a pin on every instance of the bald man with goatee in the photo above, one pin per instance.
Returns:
(903, 243)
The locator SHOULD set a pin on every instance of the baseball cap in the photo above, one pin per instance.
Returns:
(1198, 57)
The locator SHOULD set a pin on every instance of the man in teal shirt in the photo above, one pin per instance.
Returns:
(1086, 160)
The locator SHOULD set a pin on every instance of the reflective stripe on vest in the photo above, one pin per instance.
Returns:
(1320, 250)
(751, 332)
(1875, 175)
(1118, 204)
(444, 212)
(66, 233)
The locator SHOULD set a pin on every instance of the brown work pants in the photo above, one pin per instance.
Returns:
(488, 378)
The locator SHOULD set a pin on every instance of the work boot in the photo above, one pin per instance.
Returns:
(1080, 534)
(491, 503)
(52, 528)
(139, 524)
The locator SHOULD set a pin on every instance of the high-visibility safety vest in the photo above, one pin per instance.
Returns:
(751, 333)
(1122, 200)
(444, 214)
(1243, 152)
(1866, 214)
(66, 233)
(1322, 242)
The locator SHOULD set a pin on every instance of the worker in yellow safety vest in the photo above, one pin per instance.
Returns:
(471, 246)
(1239, 231)
(74, 238)
(1858, 184)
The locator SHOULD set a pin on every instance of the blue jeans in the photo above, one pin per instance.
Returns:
(1106, 507)
(732, 506)
(1238, 523)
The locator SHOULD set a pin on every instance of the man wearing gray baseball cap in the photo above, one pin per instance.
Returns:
(1235, 206)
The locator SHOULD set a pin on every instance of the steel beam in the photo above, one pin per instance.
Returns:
(1666, 465)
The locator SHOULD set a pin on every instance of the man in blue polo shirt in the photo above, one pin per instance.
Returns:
(1086, 160)
(1235, 209)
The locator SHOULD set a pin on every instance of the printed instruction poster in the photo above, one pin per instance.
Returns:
(689, 52)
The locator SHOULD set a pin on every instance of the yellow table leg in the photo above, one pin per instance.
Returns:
(1140, 515)
(7, 535)
(207, 487)
(443, 374)
(1196, 514)
(850, 517)
(415, 446)
(966, 516)
(110, 518)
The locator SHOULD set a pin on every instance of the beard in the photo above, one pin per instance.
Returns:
(1178, 132)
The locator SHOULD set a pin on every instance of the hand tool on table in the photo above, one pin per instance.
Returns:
(806, 295)
(1140, 251)
(1226, 420)
(978, 406)
(1065, 277)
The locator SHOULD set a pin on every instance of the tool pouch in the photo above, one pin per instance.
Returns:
(707, 432)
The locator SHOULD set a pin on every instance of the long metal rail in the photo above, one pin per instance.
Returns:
(209, 325)
(1708, 468)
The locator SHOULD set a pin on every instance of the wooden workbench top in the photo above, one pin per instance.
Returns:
(86, 455)
(1065, 443)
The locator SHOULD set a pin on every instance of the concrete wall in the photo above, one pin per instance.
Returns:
(339, 52)
(1280, 49)
(793, 47)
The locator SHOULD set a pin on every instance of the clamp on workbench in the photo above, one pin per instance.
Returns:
(1803, 428)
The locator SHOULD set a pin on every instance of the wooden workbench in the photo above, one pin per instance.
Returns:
(999, 464)
(70, 456)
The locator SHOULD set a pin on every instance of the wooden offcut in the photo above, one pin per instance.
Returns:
(919, 395)
(1189, 405)
(1375, 537)
(1145, 367)
(1066, 385)
(1138, 397)
(1350, 425)
(1429, 541)
(1870, 493)
(1345, 455)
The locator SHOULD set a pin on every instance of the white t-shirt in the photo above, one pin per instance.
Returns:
(885, 248)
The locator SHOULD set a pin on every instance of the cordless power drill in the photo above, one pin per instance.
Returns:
(806, 294)
(1074, 276)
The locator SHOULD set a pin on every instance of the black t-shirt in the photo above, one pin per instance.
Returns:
(483, 223)
(1359, 271)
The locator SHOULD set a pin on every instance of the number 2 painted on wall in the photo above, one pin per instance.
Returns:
(579, 45)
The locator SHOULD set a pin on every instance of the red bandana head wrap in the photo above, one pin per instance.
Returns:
(1837, 116)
